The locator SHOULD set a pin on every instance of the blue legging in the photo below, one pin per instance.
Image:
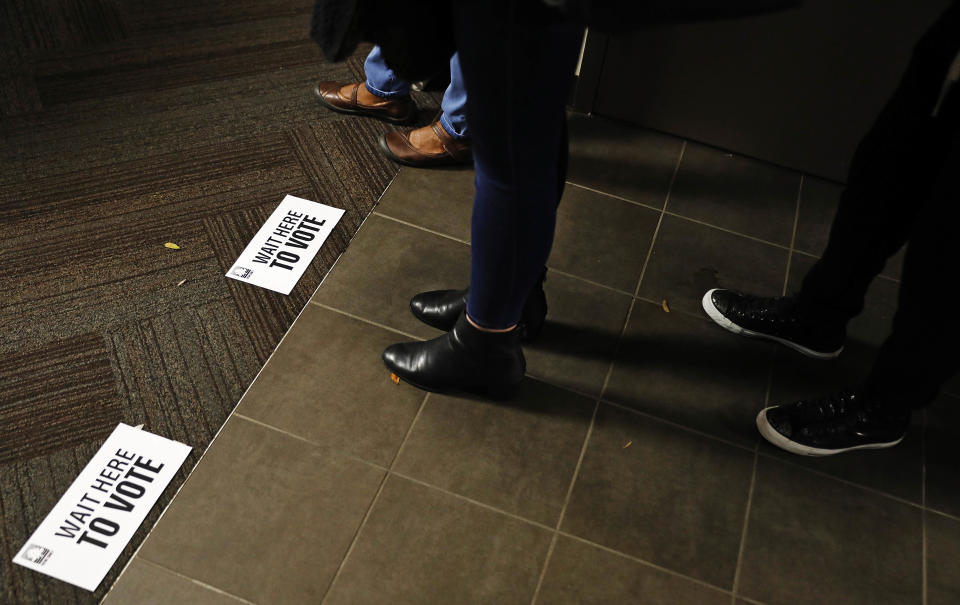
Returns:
(517, 68)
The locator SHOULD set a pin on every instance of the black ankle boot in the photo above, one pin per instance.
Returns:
(463, 359)
(441, 308)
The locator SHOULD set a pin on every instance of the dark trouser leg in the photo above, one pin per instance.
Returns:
(923, 350)
(517, 71)
(891, 176)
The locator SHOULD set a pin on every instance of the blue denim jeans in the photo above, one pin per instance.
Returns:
(383, 82)
(518, 68)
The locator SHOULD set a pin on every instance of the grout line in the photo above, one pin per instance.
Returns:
(583, 451)
(940, 513)
(356, 537)
(644, 562)
(373, 503)
(859, 486)
(559, 385)
(210, 587)
(566, 502)
(616, 349)
(698, 314)
(793, 235)
(923, 513)
(589, 281)
(317, 444)
(421, 228)
(620, 197)
(880, 276)
(551, 269)
(233, 410)
(368, 321)
(687, 218)
(489, 507)
(677, 426)
(656, 231)
(725, 230)
(750, 491)
(413, 423)
(249, 386)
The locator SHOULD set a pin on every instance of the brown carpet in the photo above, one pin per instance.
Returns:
(125, 124)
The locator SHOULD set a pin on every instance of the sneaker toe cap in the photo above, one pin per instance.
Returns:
(723, 300)
(780, 421)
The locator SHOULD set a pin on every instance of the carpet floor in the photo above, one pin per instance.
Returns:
(124, 125)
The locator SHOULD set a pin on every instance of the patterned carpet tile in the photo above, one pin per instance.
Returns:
(123, 126)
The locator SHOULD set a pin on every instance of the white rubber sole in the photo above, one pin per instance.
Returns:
(721, 320)
(775, 438)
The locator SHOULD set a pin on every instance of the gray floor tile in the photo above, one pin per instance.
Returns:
(601, 238)
(812, 539)
(688, 259)
(580, 334)
(265, 516)
(943, 560)
(670, 497)
(736, 193)
(145, 584)
(385, 265)
(598, 237)
(582, 574)
(420, 545)
(518, 457)
(873, 325)
(818, 205)
(692, 372)
(621, 159)
(328, 384)
(896, 471)
(943, 455)
(440, 199)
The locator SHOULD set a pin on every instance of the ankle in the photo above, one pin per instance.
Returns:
(490, 330)
(366, 97)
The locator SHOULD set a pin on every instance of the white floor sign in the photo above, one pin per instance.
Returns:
(280, 252)
(89, 527)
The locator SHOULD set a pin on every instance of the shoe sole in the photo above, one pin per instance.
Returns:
(775, 438)
(721, 320)
(497, 394)
(363, 112)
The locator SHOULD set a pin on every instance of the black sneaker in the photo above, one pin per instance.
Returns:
(832, 425)
(775, 319)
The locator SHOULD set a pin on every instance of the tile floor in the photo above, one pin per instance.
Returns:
(628, 470)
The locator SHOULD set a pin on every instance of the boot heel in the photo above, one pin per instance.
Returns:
(531, 331)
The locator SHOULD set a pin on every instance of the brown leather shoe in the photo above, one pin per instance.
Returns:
(427, 146)
(396, 110)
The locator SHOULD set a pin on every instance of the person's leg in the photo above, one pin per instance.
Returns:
(517, 72)
(517, 68)
(923, 350)
(920, 355)
(891, 176)
(381, 80)
(382, 95)
(454, 103)
(443, 143)
(893, 170)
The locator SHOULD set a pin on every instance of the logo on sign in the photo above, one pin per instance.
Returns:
(242, 272)
(37, 554)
